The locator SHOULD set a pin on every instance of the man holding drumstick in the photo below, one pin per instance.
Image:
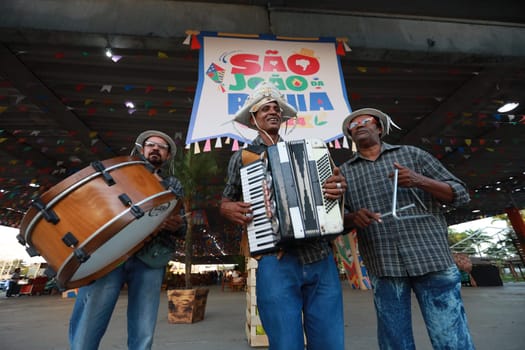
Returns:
(143, 273)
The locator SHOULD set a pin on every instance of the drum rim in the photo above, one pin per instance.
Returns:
(67, 185)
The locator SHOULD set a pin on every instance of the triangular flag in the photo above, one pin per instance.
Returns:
(468, 142)
(337, 144)
(340, 49)
(161, 54)
(227, 142)
(106, 88)
(187, 41)
(235, 146)
(195, 44)
(116, 58)
(345, 143)
(19, 99)
(197, 148)
(207, 146)
(218, 143)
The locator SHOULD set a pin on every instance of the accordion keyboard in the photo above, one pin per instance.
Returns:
(261, 230)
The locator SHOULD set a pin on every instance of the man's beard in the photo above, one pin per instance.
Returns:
(155, 161)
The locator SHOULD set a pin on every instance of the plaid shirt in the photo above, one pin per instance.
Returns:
(398, 248)
(308, 251)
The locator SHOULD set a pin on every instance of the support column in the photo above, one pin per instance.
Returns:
(518, 225)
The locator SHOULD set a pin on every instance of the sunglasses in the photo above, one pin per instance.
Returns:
(160, 145)
(363, 122)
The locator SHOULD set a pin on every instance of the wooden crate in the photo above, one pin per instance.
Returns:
(254, 330)
(187, 305)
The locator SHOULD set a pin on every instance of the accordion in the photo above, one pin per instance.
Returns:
(284, 188)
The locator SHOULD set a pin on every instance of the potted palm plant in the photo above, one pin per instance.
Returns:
(193, 171)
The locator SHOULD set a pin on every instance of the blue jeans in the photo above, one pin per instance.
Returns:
(439, 298)
(287, 291)
(95, 303)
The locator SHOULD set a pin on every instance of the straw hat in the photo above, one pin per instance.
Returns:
(139, 143)
(385, 120)
(264, 93)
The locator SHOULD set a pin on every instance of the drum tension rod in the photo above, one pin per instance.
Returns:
(32, 251)
(48, 214)
(81, 255)
(98, 166)
(49, 272)
(168, 185)
(21, 239)
(136, 211)
(71, 241)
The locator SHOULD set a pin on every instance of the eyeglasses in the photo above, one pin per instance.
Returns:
(362, 122)
(160, 145)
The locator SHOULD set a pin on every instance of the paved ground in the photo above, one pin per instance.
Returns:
(496, 316)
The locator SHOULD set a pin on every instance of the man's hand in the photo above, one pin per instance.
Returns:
(237, 212)
(335, 185)
(406, 177)
(361, 218)
(173, 222)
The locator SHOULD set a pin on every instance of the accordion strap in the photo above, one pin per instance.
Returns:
(249, 156)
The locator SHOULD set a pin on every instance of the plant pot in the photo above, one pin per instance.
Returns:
(187, 305)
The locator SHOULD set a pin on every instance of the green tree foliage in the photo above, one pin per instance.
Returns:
(194, 171)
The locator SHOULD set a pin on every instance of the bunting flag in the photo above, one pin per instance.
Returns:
(308, 73)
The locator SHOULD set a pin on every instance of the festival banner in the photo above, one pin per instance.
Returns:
(348, 254)
(307, 73)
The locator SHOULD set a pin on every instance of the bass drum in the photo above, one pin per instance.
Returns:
(92, 221)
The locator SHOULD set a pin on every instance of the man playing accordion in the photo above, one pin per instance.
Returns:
(298, 288)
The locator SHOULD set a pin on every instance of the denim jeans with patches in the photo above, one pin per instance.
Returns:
(439, 298)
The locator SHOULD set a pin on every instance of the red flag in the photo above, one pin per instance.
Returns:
(340, 49)
(195, 44)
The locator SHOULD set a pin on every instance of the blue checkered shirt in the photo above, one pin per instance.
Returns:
(308, 251)
(398, 248)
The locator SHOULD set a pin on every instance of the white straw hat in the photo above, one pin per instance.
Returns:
(385, 120)
(139, 143)
(264, 93)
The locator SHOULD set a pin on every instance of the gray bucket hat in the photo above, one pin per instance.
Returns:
(139, 142)
(264, 93)
(385, 120)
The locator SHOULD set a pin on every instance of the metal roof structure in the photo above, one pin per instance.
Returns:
(441, 72)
